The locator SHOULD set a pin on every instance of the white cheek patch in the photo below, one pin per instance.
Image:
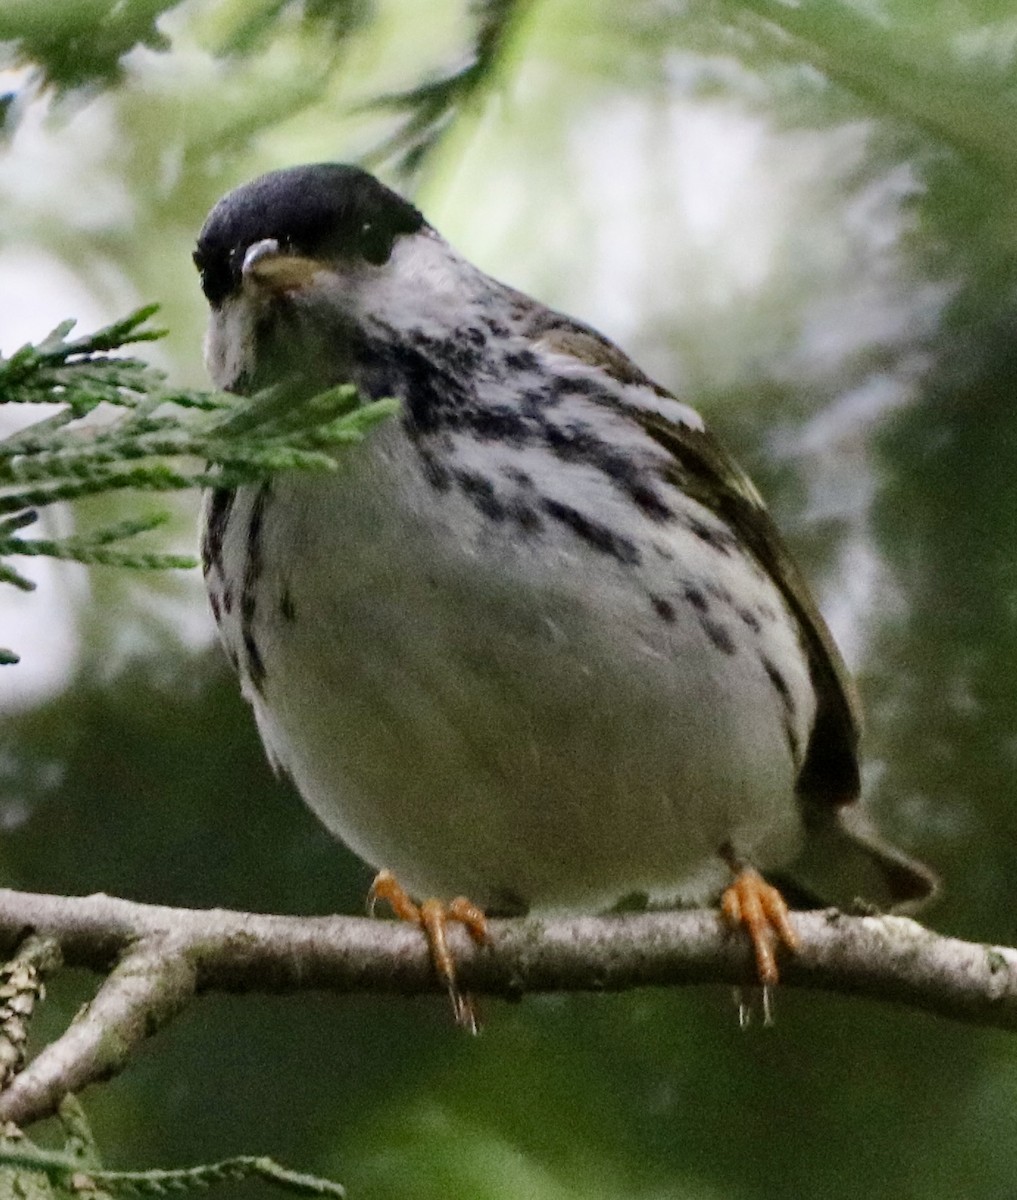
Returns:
(230, 342)
(425, 287)
(425, 261)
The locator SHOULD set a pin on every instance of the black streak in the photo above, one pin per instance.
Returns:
(570, 385)
(434, 472)
(720, 539)
(438, 380)
(719, 636)
(248, 595)
(592, 532)
(696, 598)
(481, 491)
(718, 592)
(663, 608)
(516, 476)
(255, 664)
(521, 360)
(780, 685)
(499, 422)
(220, 505)
(525, 516)
(750, 619)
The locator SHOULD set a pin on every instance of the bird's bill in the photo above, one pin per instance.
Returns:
(268, 266)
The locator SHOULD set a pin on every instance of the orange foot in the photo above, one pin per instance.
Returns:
(750, 902)
(433, 917)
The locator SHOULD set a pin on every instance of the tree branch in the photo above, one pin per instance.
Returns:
(159, 958)
(148, 987)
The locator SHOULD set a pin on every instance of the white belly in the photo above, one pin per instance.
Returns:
(512, 718)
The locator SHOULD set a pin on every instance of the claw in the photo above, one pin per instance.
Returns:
(759, 908)
(433, 917)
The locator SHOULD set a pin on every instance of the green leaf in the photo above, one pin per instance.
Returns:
(152, 445)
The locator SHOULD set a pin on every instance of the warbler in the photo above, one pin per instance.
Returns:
(536, 644)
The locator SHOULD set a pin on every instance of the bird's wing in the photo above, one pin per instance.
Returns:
(703, 469)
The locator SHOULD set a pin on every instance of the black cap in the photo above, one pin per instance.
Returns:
(323, 210)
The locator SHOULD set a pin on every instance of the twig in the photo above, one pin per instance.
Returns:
(430, 108)
(85, 1180)
(147, 989)
(167, 955)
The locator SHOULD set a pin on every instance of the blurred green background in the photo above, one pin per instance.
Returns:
(799, 216)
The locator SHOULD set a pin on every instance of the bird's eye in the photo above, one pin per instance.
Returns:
(375, 244)
(216, 274)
